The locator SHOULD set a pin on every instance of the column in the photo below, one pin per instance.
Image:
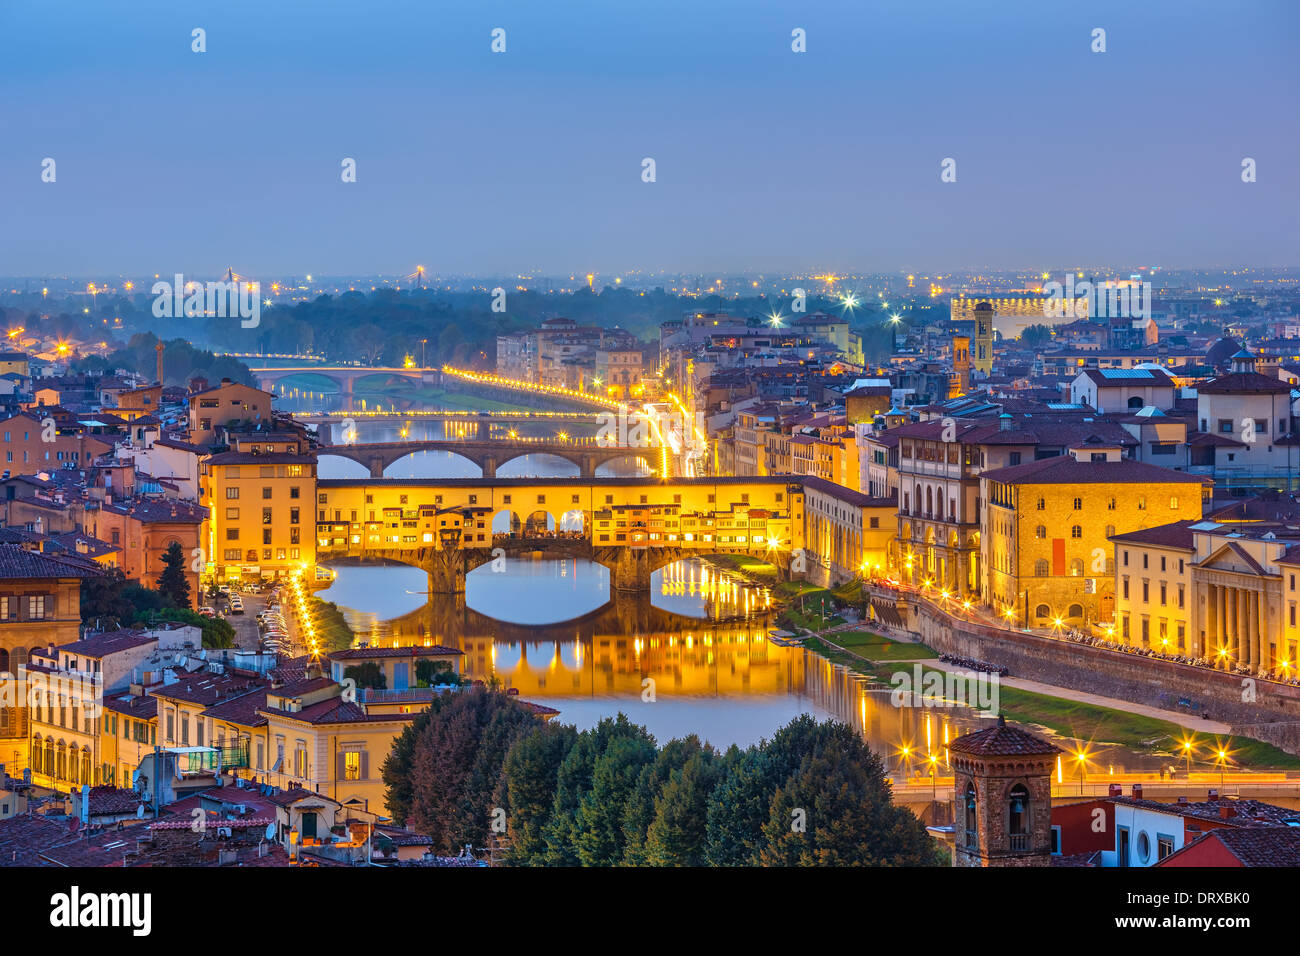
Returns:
(1210, 621)
(1252, 643)
(1260, 635)
(1221, 636)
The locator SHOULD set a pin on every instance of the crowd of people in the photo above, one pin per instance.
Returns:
(1283, 676)
(975, 665)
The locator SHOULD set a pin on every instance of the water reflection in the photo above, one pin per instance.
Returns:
(693, 657)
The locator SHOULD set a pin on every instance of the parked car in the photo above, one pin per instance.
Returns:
(208, 611)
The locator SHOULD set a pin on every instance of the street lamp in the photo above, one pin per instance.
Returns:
(1187, 752)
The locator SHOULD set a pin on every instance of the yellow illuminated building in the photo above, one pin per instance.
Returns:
(1046, 529)
(261, 508)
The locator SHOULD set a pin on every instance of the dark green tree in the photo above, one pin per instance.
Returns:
(172, 582)
(369, 674)
(530, 776)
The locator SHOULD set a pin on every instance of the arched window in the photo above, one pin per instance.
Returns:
(1076, 531)
(1135, 402)
(1078, 504)
(1042, 504)
(1074, 610)
(1110, 531)
(85, 766)
(972, 823)
(1076, 567)
(38, 754)
(1041, 567)
(1040, 532)
(1018, 813)
(1042, 611)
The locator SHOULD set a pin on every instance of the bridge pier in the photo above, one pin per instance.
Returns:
(630, 568)
(376, 466)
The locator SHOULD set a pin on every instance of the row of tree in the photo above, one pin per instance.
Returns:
(477, 768)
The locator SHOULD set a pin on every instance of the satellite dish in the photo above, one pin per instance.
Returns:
(270, 831)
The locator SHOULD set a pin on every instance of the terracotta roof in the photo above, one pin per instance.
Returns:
(1177, 534)
(1001, 741)
(847, 495)
(1068, 470)
(1271, 846)
(370, 653)
(101, 645)
(17, 563)
(1244, 383)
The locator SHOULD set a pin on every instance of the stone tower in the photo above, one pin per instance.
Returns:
(1002, 798)
(982, 358)
(960, 383)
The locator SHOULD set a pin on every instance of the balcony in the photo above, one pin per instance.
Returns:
(1019, 841)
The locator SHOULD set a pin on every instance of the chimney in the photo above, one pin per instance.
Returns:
(1226, 812)
(1137, 791)
(1213, 796)
(1182, 801)
(1115, 790)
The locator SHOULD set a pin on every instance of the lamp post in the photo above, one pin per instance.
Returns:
(422, 344)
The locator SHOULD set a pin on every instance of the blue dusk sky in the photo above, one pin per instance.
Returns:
(530, 161)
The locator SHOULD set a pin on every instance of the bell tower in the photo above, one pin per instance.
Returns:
(1002, 798)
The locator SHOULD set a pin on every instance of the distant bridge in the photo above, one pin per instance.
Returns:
(488, 455)
(344, 376)
(633, 526)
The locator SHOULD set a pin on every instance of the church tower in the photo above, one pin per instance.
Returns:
(983, 355)
(1002, 798)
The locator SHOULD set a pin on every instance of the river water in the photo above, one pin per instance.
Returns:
(693, 656)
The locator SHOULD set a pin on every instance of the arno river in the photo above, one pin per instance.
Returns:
(692, 656)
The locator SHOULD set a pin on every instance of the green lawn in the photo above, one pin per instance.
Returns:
(1069, 718)
(877, 648)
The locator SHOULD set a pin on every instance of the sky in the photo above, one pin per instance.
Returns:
(530, 161)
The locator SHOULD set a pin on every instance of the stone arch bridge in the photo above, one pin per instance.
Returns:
(488, 455)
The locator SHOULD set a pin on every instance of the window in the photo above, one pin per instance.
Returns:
(972, 824)
(1076, 531)
(1042, 568)
(232, 493)
(1173, 503)
(352, 765)
(1078, 504)
(36, 607)
(1018, 817)
(266, 492)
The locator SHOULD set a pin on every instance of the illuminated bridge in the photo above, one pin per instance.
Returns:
(586, 454)
(633, 526)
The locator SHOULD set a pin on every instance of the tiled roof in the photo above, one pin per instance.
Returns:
(1001, 741)
(101, 645)
(245, 710)
(17, 563)
(209, 689)
(1177, 534)
(1244, 383)
(1068, 470)
(371, 653)
(1274, 846)
(847, 495)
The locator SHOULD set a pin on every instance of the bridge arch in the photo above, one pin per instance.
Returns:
(642, 461)
(459, 465)
(504, 469)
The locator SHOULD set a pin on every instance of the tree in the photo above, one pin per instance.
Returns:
(368, 674)
(530, 775)
(454, 763)
(102, 599)
(172, 582)
(1036, 335)
(639, 809)
(599, 820)
(677, 837)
